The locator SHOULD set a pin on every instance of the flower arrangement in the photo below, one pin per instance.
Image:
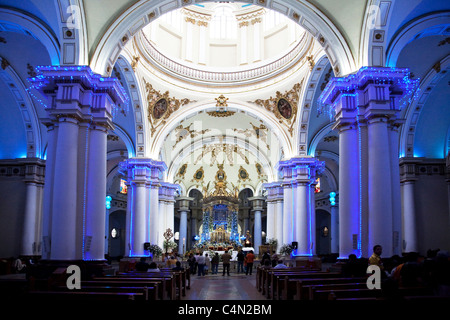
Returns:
(286, 249)
(155, 250)
(273, 242)
(169, 245)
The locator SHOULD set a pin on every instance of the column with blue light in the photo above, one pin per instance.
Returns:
(80, 106)
(274, 211)
(366, 106)
(143, 176)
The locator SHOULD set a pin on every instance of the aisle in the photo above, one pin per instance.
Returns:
(218, 287)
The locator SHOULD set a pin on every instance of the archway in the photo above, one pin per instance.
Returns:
(116, 234)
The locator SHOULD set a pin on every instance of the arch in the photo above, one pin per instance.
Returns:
(141, 13)
(29, 114)
(135, 89)
(412, 114)
(318, 137)
(126, 139)
(198, 144)
(307, 103)
(260, 113)
(36, 28)
(427, 25)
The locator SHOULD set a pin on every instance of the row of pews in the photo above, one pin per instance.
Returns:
(139, 286)
(299, 283)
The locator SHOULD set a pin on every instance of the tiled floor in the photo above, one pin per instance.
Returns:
(218, 287)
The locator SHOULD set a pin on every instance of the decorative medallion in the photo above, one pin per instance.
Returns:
(243, 174)
(199, 174)
(161, 106)
(260, 171)
(283, 106)
(182, 171)
(159, 109)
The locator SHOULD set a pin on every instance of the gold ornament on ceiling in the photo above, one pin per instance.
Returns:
(283, 106)
(260, 133)
(184, 132)
(216, 149)
(221, 108)
(161, 106)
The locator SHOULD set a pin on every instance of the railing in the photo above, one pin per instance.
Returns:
(224, 77)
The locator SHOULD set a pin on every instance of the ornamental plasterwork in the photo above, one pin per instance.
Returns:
(184, 132)
(243, 175)
(161, 106)
(216, 149)
(258, 132)
(283, 106)
(221, 108)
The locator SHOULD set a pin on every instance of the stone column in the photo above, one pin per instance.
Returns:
(34, 179)
(302, 171)
(74, 210)
(365, 105)
(334, 230)
(166, 209)
(184, 209)
(349, 181)
(143, 177)
(274, 211)
(258, 207)
(410, 228)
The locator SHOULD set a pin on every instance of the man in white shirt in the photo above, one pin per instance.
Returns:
(201, 265)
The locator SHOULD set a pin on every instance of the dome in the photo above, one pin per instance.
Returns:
(224, 42)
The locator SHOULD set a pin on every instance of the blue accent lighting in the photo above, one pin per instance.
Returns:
(108, 202)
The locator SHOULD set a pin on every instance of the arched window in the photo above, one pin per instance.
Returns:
(223, 23)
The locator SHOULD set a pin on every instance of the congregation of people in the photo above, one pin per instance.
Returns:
(409, 270)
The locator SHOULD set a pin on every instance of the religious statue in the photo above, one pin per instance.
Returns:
(248, 237)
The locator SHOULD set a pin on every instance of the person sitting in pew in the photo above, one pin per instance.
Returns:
(280, 265)
(142, 266)
(178, 267)
(153, 268)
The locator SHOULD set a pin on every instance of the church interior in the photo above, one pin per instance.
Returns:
(312, 129)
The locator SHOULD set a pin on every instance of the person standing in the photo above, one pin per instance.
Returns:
(250, 260)
(215, 263)
(240, 261)
(226, 257)
(201, 264)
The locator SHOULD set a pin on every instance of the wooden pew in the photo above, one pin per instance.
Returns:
(299, 288)
(263, 276)
(149, 293)
(275, 281)
(355, 294)
(167, 282)
(312, 289)
(85, 296)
